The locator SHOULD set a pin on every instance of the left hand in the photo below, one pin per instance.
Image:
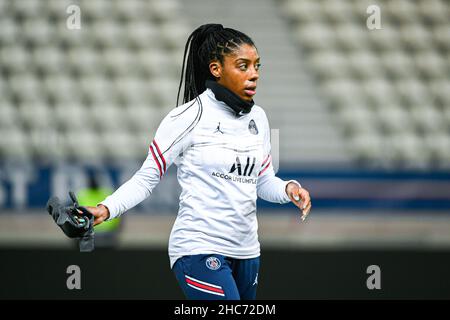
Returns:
(100, 213)
(300, 197)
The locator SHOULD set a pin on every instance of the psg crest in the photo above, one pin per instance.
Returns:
(213, 263)
(252, 127)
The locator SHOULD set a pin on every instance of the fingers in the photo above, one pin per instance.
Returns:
(100, 214)
(306, 211)
(98, 220)
(302, 198)
(306, 199)
(98, 217)
(86, 211)
(297, 198)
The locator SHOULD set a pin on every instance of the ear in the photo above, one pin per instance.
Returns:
(216, 69)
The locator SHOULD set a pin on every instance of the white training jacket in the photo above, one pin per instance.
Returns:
(224, 164)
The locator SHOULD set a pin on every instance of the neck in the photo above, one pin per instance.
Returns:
(239, 106)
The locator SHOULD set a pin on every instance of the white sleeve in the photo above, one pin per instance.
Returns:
(270, 187)
(172, 137)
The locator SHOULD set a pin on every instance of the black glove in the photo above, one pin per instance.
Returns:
(72, 223)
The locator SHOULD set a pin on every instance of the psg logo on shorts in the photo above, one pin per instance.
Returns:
(213, 263)
(252, 127)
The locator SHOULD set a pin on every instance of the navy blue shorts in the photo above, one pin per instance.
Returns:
(216, 277)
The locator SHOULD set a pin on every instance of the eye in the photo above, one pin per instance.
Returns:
(243, 66)
(257, 66)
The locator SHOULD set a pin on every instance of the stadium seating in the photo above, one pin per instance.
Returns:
(389, 88)
(90, 94)
(106, 86)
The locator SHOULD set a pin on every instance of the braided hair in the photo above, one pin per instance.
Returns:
(207, 43)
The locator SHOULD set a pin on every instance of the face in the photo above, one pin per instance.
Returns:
(239, 71)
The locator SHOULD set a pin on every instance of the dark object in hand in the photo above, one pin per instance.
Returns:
(72, 222)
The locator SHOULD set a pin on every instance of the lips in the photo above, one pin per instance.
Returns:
(250, 91)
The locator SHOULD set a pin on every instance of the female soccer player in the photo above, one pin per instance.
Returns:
(220, 141)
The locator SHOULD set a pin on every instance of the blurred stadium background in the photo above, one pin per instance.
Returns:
(363, 115)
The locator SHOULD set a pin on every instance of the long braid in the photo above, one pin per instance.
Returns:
(183, 66)
(207, 43)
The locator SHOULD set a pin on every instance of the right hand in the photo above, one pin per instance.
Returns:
(300, 197)
(100, 213)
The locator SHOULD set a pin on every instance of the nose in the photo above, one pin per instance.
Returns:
(254, 74)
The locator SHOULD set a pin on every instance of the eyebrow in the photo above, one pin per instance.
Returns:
(246, 60)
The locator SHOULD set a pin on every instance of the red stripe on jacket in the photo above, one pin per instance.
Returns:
(157, 161)
(160, 155)
(265, 168)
